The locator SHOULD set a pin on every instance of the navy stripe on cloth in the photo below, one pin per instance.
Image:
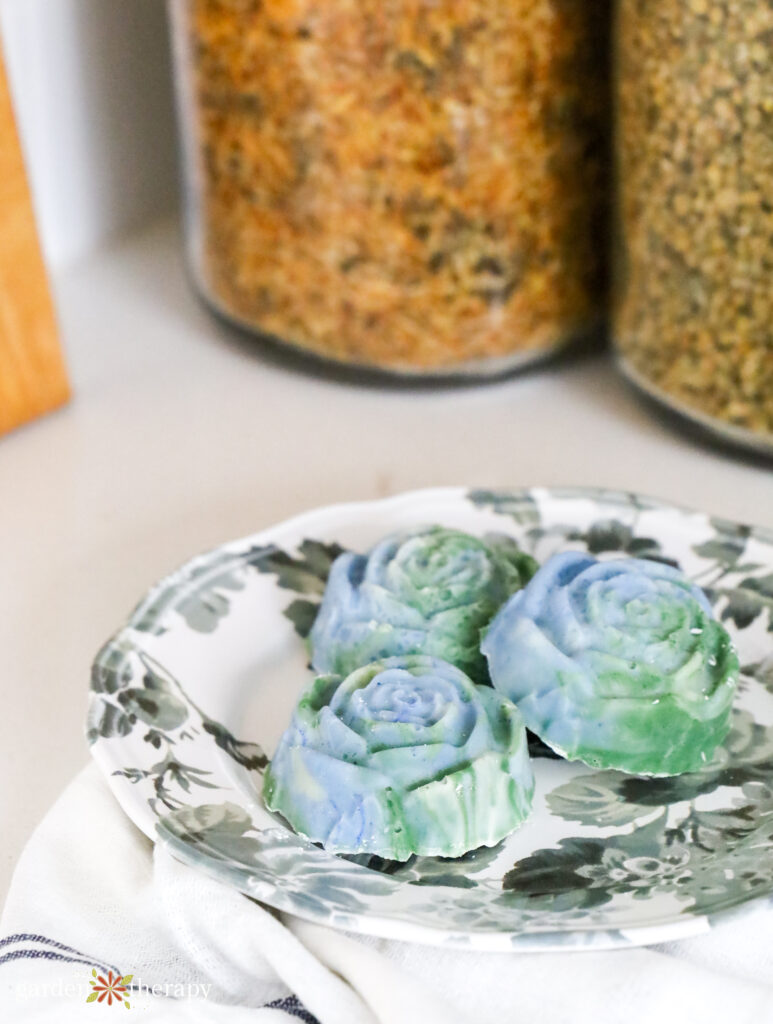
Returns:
(293, 1006)
(290, 1004)
(48, 954)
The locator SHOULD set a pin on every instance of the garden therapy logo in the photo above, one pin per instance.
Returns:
(113, 987)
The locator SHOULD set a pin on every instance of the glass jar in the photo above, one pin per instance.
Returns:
(693, 317)
(413, 185)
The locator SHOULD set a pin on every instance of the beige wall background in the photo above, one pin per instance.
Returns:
(92, 91)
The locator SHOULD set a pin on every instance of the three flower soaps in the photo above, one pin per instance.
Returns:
(401, 747)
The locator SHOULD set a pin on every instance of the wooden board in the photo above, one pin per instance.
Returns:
(33, 379)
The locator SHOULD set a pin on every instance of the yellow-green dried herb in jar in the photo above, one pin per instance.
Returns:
(694, 302)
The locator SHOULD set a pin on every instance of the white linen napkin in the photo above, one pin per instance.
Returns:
(90, 893)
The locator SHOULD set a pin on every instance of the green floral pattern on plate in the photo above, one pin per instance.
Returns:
(606, 859)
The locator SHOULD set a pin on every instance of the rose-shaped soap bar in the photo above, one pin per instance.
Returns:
(429, 591)
(403, 756)
(619, 664)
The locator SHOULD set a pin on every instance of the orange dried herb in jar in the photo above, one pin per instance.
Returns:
(414, 185)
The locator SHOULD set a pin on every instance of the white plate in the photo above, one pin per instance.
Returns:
(194, 692)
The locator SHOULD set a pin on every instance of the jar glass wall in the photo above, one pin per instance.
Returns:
(403, 184)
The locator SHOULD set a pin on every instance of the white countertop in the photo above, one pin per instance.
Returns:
(181, 436)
